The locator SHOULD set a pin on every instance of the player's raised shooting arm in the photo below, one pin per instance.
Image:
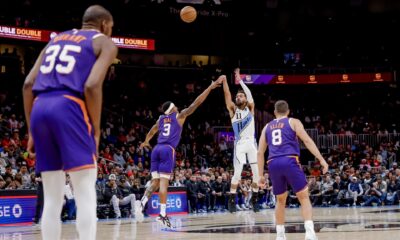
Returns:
(27, 89)
(246, 90)
(199, 100)
(262, 147)
(94, 83)
(308, 142)
(228, 98)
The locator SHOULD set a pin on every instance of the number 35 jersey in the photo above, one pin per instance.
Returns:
(169, 130)
(281, 138)
(67, 62)
(243, 124)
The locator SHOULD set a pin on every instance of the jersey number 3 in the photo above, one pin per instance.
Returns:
(276, 137)
(167, 130)
(67, 61)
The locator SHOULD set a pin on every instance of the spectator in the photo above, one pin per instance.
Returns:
(218, 192)
(372, 195)
(26, 177)
(114, 195)
(355, 190)
(192, 188)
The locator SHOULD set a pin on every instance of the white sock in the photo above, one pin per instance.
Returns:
(83, 182)
(233, 191)
(53, 191)
(163, 209)
(144, 200)
(309, 225)
(255, 189)
(280, 228)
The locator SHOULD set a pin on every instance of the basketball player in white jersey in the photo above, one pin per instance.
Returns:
(242, 116)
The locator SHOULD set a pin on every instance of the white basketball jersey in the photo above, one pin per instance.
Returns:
(243, 124)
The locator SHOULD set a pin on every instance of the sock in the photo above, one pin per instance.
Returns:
(85, 197)
(163, 209)
(309, 225)
(233, 191)
(144, 200)
(280, 228)
(255, 189)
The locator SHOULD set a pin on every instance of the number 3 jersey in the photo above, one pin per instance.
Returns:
(67, 62)
(281, 138)
(169, 130)
(243, 124)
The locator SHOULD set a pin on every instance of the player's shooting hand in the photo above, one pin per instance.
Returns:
(31, 147)
(237, 74)
(145, 145)
(218, 82)
(325, 166)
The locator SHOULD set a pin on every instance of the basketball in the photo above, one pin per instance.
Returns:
(188, 14)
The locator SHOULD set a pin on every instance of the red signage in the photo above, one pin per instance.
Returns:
(45, 36)
(134, 43)
(262, 79)
(333, 78)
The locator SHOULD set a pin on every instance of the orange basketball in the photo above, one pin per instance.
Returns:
(188, 14)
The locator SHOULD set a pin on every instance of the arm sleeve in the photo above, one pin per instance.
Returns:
(246, 91)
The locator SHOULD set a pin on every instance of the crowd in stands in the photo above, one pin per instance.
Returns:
(360, 174)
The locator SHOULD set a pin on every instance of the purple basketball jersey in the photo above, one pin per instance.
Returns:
(169, 130)
(281, 139)
(67, 62)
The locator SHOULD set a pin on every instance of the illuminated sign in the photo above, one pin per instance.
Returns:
(260, 79)
(45, 36)
(176, 203)
(17, 210)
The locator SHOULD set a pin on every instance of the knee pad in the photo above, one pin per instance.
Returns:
(155, 175)
(165, 176)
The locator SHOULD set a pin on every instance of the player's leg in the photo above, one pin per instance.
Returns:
(83, 182)
(277, 168)
(280, 215)
(167, 164)
(53, 190)
(306, 211)
(298, 181)
(49, 163)
(76, 139)
(154, 185)
(252, 157)
(163, 194)
(239, 158)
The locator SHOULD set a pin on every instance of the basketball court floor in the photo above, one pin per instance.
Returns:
(330, 224)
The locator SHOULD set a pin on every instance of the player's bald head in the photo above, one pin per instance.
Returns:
(95, 14)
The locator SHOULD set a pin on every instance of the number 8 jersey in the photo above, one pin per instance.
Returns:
(169, 130)
(281, 138)
(67, 62)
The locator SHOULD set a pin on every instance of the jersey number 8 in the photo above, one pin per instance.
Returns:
(276, 137)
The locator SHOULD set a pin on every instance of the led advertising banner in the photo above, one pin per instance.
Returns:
(263, 79)
(176, 202)
(17, 210)
(41, 35)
